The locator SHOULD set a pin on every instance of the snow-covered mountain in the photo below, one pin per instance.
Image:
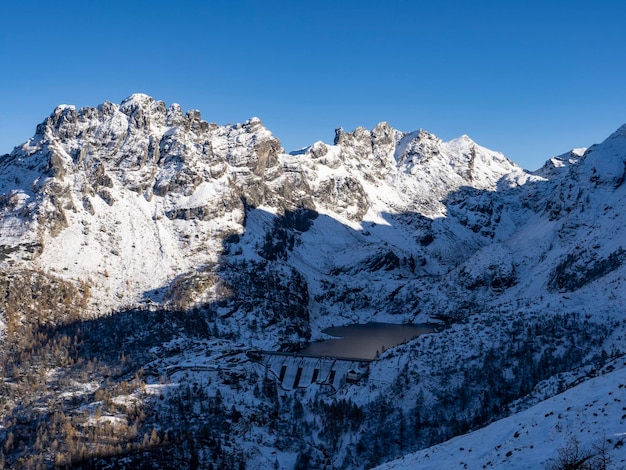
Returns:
(140, 207)
(127, 199)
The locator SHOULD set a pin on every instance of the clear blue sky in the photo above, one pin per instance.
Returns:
(531, 79)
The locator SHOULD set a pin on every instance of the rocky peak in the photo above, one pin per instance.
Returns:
(559, 165)
(338, 135)
(135, 102)
(62, 121)
(416, 147)
(605, 164)
(144, 112)
(174, 116)
(383, 138)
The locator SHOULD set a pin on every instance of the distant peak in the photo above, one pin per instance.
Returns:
(253, 123)
(382, 126)
(136, 101)
(138, 98)
(62, 107)
(463, 139)
(424, 134)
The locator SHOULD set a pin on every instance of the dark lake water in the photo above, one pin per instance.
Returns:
(364, 341)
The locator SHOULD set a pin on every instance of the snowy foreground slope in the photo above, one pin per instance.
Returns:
(587, 420)
(144, 251)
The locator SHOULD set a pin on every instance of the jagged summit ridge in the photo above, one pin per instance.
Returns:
(409, 152)
(141, 115)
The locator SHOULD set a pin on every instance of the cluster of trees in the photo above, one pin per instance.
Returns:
(572, 456)
(76, 395)
(71, 390)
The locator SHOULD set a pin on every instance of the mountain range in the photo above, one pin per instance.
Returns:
(144, 250)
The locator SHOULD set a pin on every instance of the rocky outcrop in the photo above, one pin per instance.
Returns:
(581, 267)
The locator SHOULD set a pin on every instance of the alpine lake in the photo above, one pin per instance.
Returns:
(364, 341)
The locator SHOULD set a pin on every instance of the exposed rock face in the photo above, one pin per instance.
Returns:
(79, 179)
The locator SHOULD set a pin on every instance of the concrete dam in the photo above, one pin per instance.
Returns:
(296, 371)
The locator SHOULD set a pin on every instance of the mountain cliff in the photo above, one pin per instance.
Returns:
(159, 224)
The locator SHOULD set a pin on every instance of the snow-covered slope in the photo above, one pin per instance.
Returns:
(583, 425)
